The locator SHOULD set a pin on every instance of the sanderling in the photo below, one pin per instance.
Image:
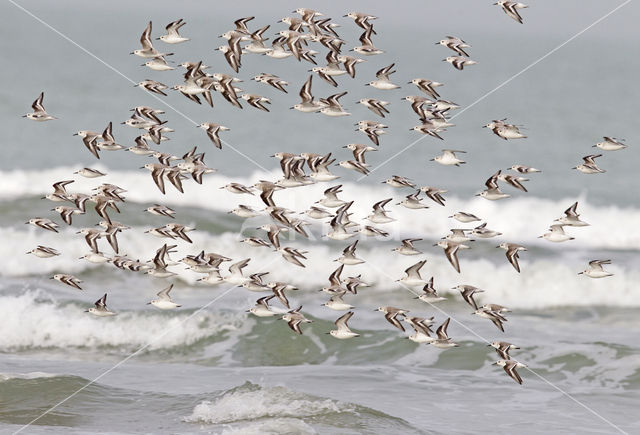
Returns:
(589, 165)
(399, 181)
(610, 144)
(511, 9)
(407, 247)
(467, 292)
(164, 301)
(455, 44)
(158, 64)
(434, 193)
(503, 348)
(459, 62)
(349, 255)
(147, 50)
(376, 106)
(213, 130)
(422, 329)
(482, 232)
(379, 215)
(510, 367)
(449, 157)
(413, 277)
(464, 217)
(67, 279)
(495, 317)
(294, 318)
(427, 86)
(307, 103)
(383, 82)
(451, 252)
(413, 202)
(571, 217)
(430, 295)
(458, 235)
(161, 210)
(443, 341)
(44, 223)
(262, 308)
(90, 173)
(39, 113)
(172, 36)
(391, 314)
(367, 48)
(523, 169)
(503, 130)
(595, 269)
(100, 308)
(343, 332)
(556, 234)
(493, 192)
(512, 253)
(332, 107)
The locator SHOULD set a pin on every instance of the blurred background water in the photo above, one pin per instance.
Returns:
(222, 371)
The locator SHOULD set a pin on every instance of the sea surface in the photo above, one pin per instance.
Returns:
(211, 367)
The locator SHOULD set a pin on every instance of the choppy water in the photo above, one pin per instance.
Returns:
(218, 370)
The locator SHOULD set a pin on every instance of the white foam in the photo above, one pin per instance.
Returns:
(275, 426)
(35, 320)
(543, 282)
(31, 375)
(245, 404)
(521, 219)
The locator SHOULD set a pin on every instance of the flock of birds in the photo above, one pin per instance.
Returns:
(307, 28)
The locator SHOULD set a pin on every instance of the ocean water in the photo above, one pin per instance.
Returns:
(210, 367)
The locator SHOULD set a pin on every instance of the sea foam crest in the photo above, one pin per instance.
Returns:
(543, 282)
(514, 217)
(251, 402)
(35, 320)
